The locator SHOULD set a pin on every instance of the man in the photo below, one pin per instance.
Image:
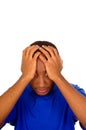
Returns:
(42, 99)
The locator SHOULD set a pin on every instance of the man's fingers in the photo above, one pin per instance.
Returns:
(43, 58)
(24, 51)
(50, 50)
(30, 50)
(36, 55)
(56, 51)
(45, 52)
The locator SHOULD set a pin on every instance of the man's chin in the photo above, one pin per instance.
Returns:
(43, 94)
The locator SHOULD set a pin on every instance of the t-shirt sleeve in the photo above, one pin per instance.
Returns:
(82, 91)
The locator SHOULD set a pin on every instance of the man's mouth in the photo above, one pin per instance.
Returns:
(41, 90)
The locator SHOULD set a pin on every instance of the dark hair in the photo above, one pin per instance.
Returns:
(46, 43)
(40, 43)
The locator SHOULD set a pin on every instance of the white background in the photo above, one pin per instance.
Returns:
(62, 22)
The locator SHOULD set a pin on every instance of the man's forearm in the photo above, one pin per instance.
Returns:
(76, 101)
(10, 97)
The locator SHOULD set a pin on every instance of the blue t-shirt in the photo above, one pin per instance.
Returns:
(49, 112)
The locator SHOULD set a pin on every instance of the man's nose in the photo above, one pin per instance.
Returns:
(41, 81)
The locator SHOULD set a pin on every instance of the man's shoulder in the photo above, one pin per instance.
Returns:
(80, 89)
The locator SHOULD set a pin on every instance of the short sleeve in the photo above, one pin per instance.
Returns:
(82, 91)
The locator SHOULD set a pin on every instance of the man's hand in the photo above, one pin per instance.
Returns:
(28, 66)
(53, 63)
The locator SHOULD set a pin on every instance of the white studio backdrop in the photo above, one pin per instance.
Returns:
(25, 21)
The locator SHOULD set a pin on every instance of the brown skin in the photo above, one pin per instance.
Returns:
(51, 66)
(41, 83)
(28, 66)
(76, 101)
(11, 96)
(53, 63)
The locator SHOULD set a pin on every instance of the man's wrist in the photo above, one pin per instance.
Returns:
(57, 78)
(24, 79)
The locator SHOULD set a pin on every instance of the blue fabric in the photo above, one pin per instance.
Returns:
(49, 112)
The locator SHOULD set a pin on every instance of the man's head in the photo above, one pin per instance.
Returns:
(46, 43)
(41, 83)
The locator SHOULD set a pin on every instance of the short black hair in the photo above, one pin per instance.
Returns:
(46, 43)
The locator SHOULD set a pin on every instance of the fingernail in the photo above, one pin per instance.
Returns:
(40, 47)
(37, 46)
